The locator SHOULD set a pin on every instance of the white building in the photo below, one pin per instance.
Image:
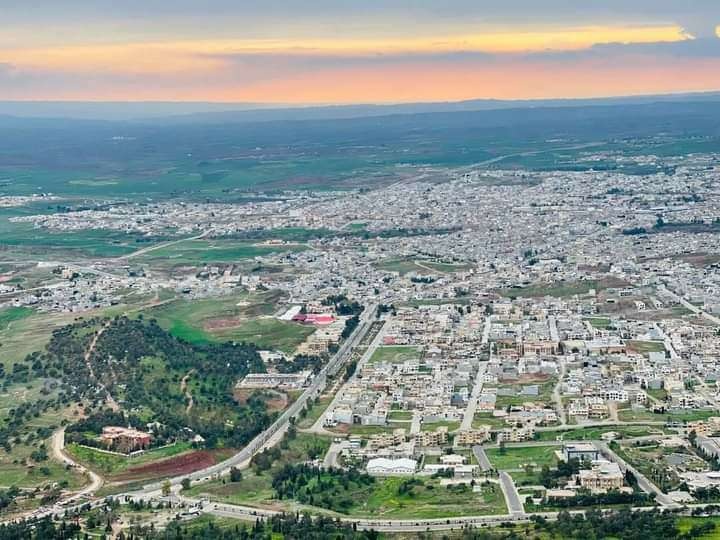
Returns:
(387, 467)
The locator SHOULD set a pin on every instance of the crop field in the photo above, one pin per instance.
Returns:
(179, 458)
(112, 465)
(22, 240)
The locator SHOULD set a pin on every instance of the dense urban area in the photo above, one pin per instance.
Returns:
(478, 351)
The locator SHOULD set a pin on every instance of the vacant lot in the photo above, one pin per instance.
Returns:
(395, 354)
(519, 457)
(200, 252)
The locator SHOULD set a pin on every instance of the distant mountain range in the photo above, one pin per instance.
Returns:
(200, 112)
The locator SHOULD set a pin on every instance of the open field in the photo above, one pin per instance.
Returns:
(451, 425)
(382, 498)
(516, 457)
(237, 317)
(256, 485)
(9, 315)
(268, 333)
(435, 302)
(111, 464)
(668, 416)
(395, 354)
(198, 252)
(427, 500)
(644, 347)
(595, 433)
(358, 429)
(545, 390)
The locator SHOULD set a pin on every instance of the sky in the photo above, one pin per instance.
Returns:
(355, 51)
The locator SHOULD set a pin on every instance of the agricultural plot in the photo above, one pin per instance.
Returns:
(178, 458)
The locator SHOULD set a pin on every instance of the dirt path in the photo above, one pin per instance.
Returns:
(57, 450)
(108, 397)
(184, 389)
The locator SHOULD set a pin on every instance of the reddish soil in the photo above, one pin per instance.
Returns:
(183, 464)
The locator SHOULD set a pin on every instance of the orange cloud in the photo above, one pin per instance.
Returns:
(205, 56)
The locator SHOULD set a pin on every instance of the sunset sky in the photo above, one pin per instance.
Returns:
(364, 51)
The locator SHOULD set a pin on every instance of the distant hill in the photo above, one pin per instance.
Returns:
(200, 112)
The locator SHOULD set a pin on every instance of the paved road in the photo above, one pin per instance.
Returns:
(557, 398)
(331, 457)
(469, 413)
(318, 426)
(688, 305)
(241, 458)
(143, 251)
(646, 485)
(512, 497)
(482, 458)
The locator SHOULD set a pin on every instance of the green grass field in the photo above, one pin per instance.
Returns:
(268, 334)
(451, 425)
(315, 412)
(256, 486)
(594, 433)
(396, 354)
(518, 457)
(685, 523)
(644, 347)
(238, 317)
(197, 252)
(9, 315)
(671, 416)
(428, 500)
(109, 464)
(599, 322)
